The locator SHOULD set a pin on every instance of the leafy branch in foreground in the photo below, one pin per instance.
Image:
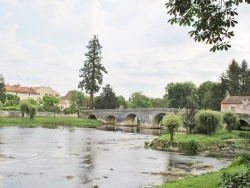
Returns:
(211, 20)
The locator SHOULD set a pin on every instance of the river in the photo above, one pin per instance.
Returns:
(63, 157)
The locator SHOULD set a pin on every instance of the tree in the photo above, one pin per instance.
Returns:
(50, 102)
(27, 107)
(212, 21)
(159, 102)
(138, 100)
(189, 120)
(122, 102)
(231, 119)
(76, 98)
(2, 89)
(24, 108)
(218, 93)
(92, 71)
(237, 78)
(11, 100)
(181, 95)
(172, 122)
(208, 121)
(244, 78)
(107, 99)
(204, 93)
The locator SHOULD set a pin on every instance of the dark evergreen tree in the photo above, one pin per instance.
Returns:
(233, 78)
(218, 93)
(244, 79)
(2, 89)
(211, 20)
(107, 99)
(92, 71)
(237, 79)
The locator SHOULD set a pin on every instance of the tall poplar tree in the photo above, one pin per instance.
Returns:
(92, 71)
(2, 89)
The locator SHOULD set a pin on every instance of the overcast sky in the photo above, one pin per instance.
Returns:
(43, 42)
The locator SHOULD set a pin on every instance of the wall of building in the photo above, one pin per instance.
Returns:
(23, 96)
(237, 108)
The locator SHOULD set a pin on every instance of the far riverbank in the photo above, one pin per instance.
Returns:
(50, 122)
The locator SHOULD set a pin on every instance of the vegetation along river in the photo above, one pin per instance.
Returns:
(64, 157)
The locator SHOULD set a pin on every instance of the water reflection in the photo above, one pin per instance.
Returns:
(40, 157)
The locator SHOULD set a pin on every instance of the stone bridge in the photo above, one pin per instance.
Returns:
(145, 117)
(244, 119)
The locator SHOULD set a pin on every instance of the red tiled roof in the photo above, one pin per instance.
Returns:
(63, 102)
(19, 89)
(234, 99)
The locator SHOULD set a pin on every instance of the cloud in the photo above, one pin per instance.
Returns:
(43, 42)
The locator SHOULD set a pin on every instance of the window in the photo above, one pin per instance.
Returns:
(244, 103)
(233, 108)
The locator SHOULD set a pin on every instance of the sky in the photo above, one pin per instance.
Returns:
(43, 43)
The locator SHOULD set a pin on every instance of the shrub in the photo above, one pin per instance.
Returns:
(192, 147)
(208, 121)
(172, 123)
(231, 119)
(32, 111)
(238, 180)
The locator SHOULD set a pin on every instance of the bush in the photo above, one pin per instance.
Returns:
(32, 111)
(192, 147)
(238, 180)
(231, 119)
(208, 121)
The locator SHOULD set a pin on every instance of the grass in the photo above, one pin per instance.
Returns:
(211, 179)
(216, 140)
(208, 180)
(49, 121)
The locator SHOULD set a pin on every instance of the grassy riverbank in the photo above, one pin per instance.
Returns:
(50, 121)
(213, 142)
(208, 180)
(205, 142)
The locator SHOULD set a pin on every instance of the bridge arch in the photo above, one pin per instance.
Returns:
(244, 124)
(157, 120)
(92, 116)
(111, 119)
(131, 119)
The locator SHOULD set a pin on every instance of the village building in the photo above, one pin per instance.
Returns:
(237, 104)
(44, 91)
(22, 92)
(65, 101)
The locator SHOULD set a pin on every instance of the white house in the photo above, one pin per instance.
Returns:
(21, 92)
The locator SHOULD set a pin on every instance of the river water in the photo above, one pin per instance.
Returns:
(63, 157)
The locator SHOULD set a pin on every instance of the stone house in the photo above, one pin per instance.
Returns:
(65, 101)
(21, 92)
(44, 91)
(237, 104)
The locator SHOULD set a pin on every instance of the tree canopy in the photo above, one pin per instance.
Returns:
(237, 78)
(212, 21)
(107, 99)
(181, 95)
(92, 71)
(138, 100)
